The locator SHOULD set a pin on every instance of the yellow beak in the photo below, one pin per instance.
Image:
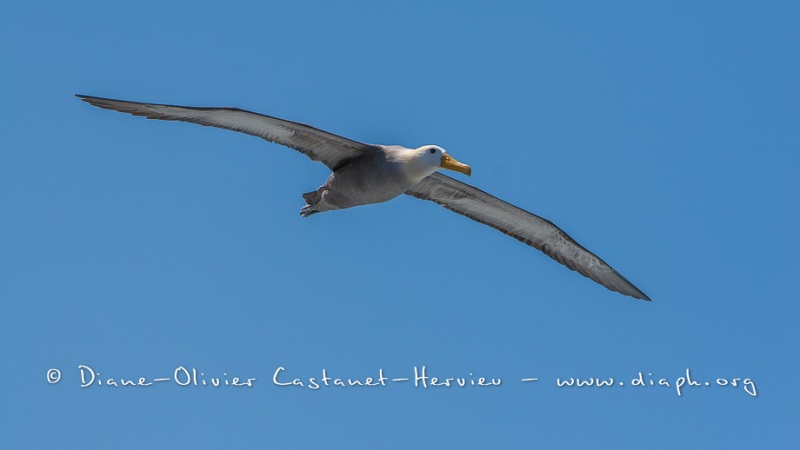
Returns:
(448, 162)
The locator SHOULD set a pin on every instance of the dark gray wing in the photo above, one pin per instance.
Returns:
(330, 149)
(523, 226)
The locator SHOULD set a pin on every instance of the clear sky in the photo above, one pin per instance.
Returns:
(663, 136)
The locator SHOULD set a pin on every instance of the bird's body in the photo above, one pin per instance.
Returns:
(375, 177)
(365, 173)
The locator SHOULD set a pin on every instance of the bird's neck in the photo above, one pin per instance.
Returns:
(416, 167)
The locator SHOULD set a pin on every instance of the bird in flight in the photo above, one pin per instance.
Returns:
(371, 173)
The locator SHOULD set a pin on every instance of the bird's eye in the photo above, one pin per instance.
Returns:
(433, 151)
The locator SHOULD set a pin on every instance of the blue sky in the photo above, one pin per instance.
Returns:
(661, 135)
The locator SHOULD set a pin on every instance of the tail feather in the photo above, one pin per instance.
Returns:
(311, 198)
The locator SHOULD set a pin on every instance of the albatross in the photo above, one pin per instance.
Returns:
(369, 173)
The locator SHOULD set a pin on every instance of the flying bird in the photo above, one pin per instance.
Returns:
(370, 173)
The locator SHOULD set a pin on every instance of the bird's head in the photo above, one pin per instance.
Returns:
(436, 157)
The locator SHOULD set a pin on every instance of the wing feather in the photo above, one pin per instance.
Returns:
(523, 226)
(330, 149)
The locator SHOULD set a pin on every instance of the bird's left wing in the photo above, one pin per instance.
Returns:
(523, 226)
(319, 145)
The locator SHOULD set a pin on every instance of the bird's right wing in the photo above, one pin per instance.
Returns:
(330, 149)
(523, 226)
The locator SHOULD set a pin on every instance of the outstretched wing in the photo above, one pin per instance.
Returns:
(330, 149)
(523, 226)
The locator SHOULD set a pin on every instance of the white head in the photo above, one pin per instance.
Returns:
(433, 158)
